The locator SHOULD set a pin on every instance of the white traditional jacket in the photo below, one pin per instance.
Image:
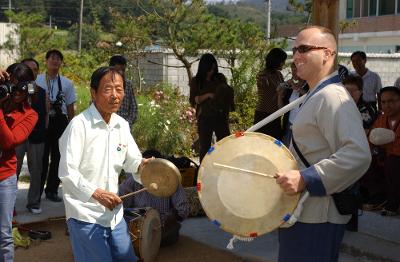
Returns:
(329, 133)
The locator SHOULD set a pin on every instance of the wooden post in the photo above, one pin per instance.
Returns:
(326, 13)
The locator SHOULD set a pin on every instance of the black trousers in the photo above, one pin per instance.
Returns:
(206, 125)
(57, 125)
(392, 178)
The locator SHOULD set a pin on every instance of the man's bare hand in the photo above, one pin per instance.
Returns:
(107, 199)
(291, 182)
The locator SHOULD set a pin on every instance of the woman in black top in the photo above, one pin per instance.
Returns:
(204, 97)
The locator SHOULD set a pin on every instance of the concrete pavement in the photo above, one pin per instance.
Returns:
(367, 245)
(378, 238)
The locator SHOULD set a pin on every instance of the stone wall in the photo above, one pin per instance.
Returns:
(155, 70)
(162, 66)
(7, 57)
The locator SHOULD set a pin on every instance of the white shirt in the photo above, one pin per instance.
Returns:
(292, 115)
(93, 153)
(51, 87)
(372, 84)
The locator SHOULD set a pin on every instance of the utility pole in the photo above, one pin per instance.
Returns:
(268, 29)
(80, 28)
(50, 22)
(9, 9)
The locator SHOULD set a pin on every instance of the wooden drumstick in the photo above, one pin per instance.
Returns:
(245, 170)
(152, 186)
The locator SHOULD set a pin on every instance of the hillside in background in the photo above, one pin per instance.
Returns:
(255, 11)
(277, 5)
(65, 13)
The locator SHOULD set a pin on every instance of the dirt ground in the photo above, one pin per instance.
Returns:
(59, 249)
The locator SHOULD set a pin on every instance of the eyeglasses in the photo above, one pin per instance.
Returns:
(306, 48)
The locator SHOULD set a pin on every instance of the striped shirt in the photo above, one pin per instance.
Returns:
(129, 108)
(267, 83)
(164, 205)
(372, 84)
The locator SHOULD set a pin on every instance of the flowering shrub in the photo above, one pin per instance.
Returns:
(166, 121)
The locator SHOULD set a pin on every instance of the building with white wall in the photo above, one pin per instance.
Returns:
(376, 26)
(160, 65)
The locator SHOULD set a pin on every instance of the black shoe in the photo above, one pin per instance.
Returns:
(53, 197)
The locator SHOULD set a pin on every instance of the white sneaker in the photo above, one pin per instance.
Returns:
(35, 210)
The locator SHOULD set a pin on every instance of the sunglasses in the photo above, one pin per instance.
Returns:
(306, 48)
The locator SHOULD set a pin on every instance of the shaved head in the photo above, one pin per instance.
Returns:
(321, 36)
(314, 54)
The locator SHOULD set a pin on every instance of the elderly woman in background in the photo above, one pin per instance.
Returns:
(268, 81)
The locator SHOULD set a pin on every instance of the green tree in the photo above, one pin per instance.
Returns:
(133, 35)
(182, 26)
(91, 35)
(243, 46)
(302, 7)
(30, 37)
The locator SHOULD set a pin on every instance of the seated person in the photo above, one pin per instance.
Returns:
(390, 152)
(173, 209)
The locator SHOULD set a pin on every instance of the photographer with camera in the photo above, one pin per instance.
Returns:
(17, 120)
(35, 144)
(61, 94)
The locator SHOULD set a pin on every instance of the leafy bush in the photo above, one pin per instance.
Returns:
(83, 98)
(166, 122)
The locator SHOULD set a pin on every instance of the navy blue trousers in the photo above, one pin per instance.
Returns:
(310, 242)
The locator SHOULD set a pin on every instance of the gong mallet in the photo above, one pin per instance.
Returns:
(152, 186)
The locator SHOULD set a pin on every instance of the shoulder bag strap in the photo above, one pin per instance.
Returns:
(302, 158)
(59, 84)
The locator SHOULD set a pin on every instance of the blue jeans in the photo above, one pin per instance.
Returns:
(8, 194)
(92, 242)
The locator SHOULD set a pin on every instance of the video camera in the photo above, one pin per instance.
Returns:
(56, 106)
(9, 88)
